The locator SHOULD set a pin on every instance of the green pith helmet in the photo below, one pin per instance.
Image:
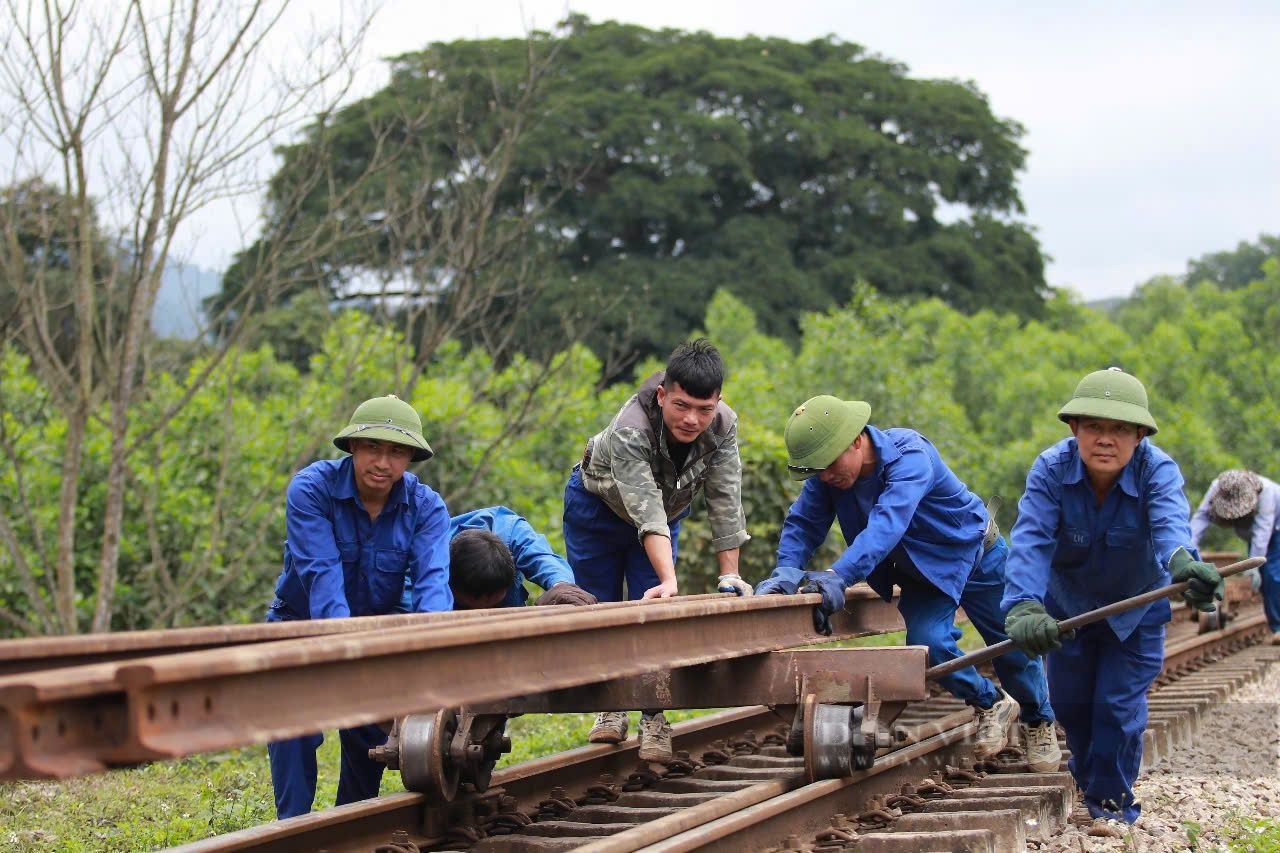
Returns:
(1111, 394)
(820, 430)
(385, 419)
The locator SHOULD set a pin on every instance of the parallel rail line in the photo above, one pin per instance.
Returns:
(770, 801)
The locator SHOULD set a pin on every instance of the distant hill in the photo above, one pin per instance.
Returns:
(177, 311)
(1107, 306)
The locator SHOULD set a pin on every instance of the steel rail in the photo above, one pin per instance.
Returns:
(363, 826)
(529, 782)
(44, 653)
(810, 806)
(76, 720)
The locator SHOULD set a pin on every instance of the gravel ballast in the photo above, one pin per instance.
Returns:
(1231, 772)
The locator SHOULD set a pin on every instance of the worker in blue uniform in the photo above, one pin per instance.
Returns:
(908, 520)
(1103, 518)
(1249, 504)
(492, 552)
(358, 528)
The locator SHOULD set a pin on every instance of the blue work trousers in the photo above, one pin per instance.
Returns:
(604, 550)
(930, 616)
(293, 766)
(1098, 686)
(1270, 571)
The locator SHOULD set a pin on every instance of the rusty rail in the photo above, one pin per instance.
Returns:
(83, 719)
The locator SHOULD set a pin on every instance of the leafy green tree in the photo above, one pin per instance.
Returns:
(665, 165)
(1235, 268)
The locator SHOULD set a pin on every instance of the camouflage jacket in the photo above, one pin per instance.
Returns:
(629, 467)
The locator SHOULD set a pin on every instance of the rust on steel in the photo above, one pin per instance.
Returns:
(44, 653)
(772, 678)
(370, 822)
(759, 825)
(52, 724)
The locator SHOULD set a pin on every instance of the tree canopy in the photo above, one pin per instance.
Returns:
(1234, 268)
(669, 164)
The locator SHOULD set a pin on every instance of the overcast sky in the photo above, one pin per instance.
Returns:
(1153, 128)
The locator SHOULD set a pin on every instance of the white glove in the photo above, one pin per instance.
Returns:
(733, 583)
(1255, 579)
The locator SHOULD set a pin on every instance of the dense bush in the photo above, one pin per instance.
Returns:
(205, 514)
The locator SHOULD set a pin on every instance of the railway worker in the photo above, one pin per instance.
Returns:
(492, 551)
(625, 500)
(1250, 505)
(908, 520)
(1103, 518)
(356, 528)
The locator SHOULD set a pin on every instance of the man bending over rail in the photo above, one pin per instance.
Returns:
(908, 520)
(1250, 505)
(1103, 518)
(625, 500)
(492, 551)
(358, 529)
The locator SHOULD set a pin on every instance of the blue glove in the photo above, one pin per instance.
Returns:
(735, 584)
(831, 586)
(785, 580)
(776, 586)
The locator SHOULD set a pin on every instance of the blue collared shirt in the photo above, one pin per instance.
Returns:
(339, 563)
(531, 551)
(911, 508)
(1076, 555)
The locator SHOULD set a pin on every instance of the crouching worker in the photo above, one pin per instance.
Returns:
(1250, 505)
(1103, 518)
(908, 520)
(624, 502)
(492, 551)
(359, 529)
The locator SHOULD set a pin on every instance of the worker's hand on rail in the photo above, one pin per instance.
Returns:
(662, 590)
(1204, 584)
(1032, 629)
(733, 583)
(566, 593)
(785, 580)
(831, 586)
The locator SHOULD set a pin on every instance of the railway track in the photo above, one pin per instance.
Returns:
(736, 787)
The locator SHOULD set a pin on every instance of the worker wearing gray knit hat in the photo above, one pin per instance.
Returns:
(1249, 504)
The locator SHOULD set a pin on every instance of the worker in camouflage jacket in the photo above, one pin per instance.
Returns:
(625, 500)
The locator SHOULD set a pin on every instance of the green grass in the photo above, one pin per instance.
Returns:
(164, 804)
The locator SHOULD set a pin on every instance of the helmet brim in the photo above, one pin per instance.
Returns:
(857, 414)
(384, 432)
(1115, 410)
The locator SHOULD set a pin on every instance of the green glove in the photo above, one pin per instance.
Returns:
(1032, 629)
(1204, 584)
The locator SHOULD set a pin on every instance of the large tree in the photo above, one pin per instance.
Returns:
(1232, 269)
(669, 164)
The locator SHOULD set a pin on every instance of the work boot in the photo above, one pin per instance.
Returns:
(609, 727)
(1041, 742)
(655, 738)
(1103, 827)
(993, 726)
(1275, 639)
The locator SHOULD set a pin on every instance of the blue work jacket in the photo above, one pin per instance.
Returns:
(1076, 555)
(531, 551)
(912, 506)
(339, 563)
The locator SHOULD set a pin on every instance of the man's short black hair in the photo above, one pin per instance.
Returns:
(696, 365)
(480, 564)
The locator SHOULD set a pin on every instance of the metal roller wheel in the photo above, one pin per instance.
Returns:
(828, 743)
(425, 765)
